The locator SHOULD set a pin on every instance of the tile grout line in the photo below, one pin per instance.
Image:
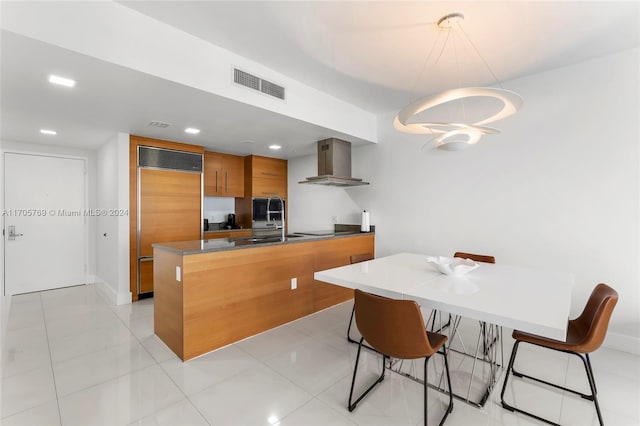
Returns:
(107, 381)
(97, 328)
(53, 373)
(186, 398)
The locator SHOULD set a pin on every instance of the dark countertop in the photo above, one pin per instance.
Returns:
(222, 244)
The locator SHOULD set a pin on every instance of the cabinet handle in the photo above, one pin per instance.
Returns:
(216, 181)
(270, 174)
(226, 179)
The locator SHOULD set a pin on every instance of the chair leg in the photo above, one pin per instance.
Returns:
(353, 313)
(426, 387)
(504, 388)
(592, 385)
(446, 368)
(506, 376)
(425, 406)
(352, 405)
(589, 371)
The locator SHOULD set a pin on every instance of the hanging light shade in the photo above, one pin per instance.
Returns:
(454, 136)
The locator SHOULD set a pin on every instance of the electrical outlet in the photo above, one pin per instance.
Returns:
(178, 274)
(294, 283)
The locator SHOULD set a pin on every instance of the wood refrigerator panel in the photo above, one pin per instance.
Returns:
(170, 210)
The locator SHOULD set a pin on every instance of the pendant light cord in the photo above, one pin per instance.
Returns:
(457, 58)
(481, 57)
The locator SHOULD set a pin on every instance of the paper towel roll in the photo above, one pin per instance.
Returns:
(364, 226)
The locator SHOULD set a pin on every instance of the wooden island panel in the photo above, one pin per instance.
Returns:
(167, 316)
(226, 296)
(235, 294)
(332, 253)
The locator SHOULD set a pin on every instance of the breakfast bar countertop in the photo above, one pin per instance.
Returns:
(222, 244)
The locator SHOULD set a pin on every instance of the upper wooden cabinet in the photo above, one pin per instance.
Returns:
(265, 176)
(223, 175)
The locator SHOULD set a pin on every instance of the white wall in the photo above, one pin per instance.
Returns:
(112, 229)
(558, 188)
(312, 207)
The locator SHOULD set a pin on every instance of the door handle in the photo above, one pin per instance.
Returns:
(12, 233)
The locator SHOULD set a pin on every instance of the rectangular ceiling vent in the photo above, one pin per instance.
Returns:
(257, 83)
(160, 124)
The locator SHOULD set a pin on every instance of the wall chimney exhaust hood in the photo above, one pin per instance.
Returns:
(334, 165)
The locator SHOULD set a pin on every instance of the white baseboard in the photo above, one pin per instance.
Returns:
(107, 291)
(622, 342)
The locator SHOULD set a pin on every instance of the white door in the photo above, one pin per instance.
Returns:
(44, 222)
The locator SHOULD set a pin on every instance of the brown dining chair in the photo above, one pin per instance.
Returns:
(395, 328)
(356, 258)
(585, 334)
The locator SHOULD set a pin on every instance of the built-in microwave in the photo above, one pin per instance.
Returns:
(267, 210)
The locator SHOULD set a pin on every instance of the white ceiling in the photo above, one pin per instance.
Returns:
(371, 54)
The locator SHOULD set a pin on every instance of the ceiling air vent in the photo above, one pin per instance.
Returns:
(257, 83)
(160, 124)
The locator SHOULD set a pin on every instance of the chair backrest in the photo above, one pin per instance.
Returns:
(594, 319)
(394, 327)
(357, 258)
(475, 257)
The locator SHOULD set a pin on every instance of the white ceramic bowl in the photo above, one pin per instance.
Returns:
(452, 265)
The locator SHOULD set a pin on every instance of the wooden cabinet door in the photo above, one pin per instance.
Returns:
(269, 167)
(170, 210)
(269, 177)
(263, 187)
(223, 175)
(212, 174)
(233, 176)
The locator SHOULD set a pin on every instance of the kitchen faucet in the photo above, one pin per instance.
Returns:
(281, 211)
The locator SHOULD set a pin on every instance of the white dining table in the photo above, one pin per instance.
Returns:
(528, 299)
(533, 300)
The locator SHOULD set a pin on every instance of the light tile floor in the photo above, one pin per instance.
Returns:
(70, 358)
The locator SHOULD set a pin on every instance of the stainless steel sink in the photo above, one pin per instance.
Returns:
(261, 239)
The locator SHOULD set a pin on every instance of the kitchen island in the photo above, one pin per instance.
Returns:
(211, 293)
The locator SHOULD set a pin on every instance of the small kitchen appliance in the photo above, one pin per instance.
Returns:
(231, 221)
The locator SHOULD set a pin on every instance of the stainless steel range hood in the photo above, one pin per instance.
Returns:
(334, 165)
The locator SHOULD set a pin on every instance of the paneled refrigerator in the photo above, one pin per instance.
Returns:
(169, 204)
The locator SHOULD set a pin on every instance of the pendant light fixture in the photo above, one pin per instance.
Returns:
(454, 136)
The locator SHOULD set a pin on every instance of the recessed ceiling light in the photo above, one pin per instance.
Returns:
(275, 147)
(48, 132)
(61, 81)
(192, 130)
